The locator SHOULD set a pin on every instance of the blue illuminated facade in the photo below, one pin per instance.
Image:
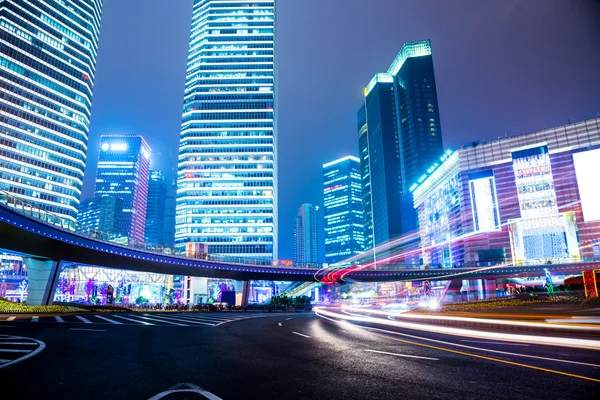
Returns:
(101, 213)
(365, 177)
(155, 208)
(403, 139)
(123, 170)
(47, 72)
(226, 179)
(306, 244)
(343, 209)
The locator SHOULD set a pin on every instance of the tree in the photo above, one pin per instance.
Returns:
(89, 288)
(22, 289)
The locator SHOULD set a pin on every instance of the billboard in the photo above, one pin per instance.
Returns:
(587, 165)
(486, 216)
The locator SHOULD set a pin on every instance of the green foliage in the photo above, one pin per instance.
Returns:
(141, 300)
(289, 301)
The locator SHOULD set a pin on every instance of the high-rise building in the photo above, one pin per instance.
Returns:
(306, 244)
(155, 208)
(102, 214)
(226, 180)
(363, 152)
(403, 138)
(123, 170)
(47, 72)
(343, 209)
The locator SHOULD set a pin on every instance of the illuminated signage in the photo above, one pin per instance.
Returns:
(587, 165)
(118, 146)
(486, 216)
(105, 146)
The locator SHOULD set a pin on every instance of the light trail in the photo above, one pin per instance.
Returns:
(463, 332)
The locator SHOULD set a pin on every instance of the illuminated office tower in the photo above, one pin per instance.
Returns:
(403, 138)
(226, 180)
(343, 209)
(365, 177)
(123, 170)
(47, 72)
(306, 245)
(156, 207)
(102, 214)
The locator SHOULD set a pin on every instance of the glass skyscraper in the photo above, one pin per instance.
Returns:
(155, 208)
(365, 177)
(101, 213)
(226, 180)
(47, 72)
(402, 140)
(123, 170)
(306, 244)
(343, 208)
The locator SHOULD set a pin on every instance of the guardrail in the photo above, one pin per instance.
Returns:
(13, 202)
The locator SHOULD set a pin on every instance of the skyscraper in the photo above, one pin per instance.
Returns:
(47, 72)
(101, 213)
(306, 245)
(155, 208)
(343, 208)
(403, 138)
(226, 180)
(123, 170)
(363, 151)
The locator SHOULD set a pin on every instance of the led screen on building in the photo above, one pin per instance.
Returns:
(484, 203)
(587, 165)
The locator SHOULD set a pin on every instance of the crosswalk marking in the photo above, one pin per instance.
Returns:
(162, 320)
(133, 320)
(10, 318)
(85, 320)
(35, 319)
(191, 321)
(58, 318)
(109, 320)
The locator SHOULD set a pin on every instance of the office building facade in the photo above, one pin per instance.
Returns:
(365, 177)
(123, 171)
(343, 209)
(156, 208)
(306, 244)
(102, 214)
(524, 199)
(402, 138)
(47, 71)
(227, 180)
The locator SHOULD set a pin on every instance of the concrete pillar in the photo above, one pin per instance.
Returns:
(41, 277)
(242, 291)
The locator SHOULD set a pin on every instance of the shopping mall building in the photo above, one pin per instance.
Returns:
(524, 199)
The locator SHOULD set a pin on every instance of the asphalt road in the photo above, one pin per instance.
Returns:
(285, 356)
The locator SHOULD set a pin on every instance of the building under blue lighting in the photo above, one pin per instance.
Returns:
(123, 170)
(342, 201)
(102, 214)
(155, 208)
(306, 244)
(47, 72)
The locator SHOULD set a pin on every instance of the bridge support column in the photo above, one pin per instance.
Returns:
(490, 286)
(242, 291)
(41, 277)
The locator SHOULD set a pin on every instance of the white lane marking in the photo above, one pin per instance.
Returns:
(279, 323)
(287, 319)
(85, 320)
(58, 318)
(14, 351)
(186, 388)
(191, 321)
(576, 320)
(502, 343)
(84, 329)
(109, 320)
(352, 326)
(301, 334)
(2, 361)
(11, 318)
(203, 317)
(35, 319)
(20, 343)
(31, 353)
(133, 320)
(162, 320)
(402, 355)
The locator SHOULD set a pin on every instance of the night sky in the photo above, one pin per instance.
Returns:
(503, 67)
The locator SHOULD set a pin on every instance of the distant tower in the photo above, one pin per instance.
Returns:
(103, 214)
(155, 208)
(305, 235)
(123, 169)
(343, 209)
